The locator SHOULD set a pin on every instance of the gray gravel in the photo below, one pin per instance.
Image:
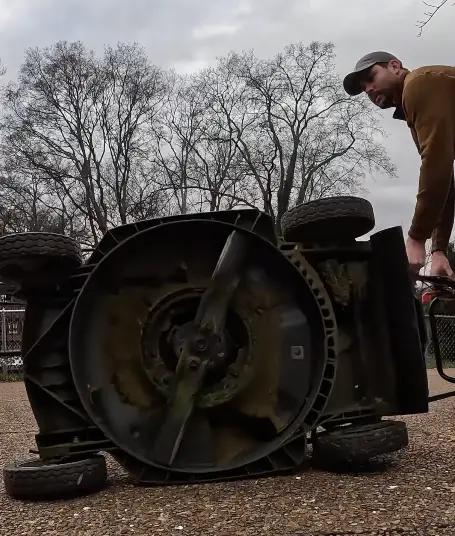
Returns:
(414, 495)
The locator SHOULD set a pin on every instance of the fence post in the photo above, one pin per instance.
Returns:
(4, 365)
(4, 343)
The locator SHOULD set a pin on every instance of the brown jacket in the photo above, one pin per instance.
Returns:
(428, 106)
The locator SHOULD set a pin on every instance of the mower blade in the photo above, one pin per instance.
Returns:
(172, 431)
(211, 313)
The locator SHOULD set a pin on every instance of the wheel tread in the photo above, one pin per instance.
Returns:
(38, 244)
(48, 481)
(299, 222)
(358, 444)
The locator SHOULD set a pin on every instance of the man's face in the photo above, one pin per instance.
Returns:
(381, 83)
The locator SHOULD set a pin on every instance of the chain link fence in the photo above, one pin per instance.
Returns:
(11, 327)
(445, 332)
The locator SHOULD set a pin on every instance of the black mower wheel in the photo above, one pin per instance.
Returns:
(23, 256)
(37, 480)
(358, 444)
(22, 245)
(328, 219)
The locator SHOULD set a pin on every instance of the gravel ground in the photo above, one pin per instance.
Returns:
(413, 495)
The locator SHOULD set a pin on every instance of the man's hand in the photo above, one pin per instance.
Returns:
(440, 265)
(415, 250)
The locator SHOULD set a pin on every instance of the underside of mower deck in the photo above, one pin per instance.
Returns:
(207, 347)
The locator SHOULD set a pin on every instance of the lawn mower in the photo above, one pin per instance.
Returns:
(210, 346)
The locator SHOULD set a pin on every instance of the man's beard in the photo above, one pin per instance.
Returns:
(384, 102)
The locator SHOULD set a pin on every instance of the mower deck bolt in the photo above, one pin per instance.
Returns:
(194, 363)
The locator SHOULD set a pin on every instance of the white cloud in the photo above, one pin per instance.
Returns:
(216, 30)
(188, 67)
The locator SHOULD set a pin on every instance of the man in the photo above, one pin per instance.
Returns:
(425, 99)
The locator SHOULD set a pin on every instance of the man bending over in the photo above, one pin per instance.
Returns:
(425, 99)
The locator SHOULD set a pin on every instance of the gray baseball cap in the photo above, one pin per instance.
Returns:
(351, 83)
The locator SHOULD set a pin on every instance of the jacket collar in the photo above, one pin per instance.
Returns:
(399, 113)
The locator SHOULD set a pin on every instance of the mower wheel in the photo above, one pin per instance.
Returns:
(37, 480)
(29, 257)
(358, 444)
(328, 219)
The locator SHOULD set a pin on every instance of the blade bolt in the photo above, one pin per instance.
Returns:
(194, 363)
(201, 344)
(166, 379)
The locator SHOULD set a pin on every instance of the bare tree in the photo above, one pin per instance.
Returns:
(78, 121)
(300, 137)
(176, 131)
(218, 167)
(266, 133)
(195, 149)
(23, 208)
(87, 143)
(133, 94)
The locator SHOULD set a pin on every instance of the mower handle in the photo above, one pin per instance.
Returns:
(437, 279)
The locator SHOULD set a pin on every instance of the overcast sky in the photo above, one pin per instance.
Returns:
(189, 34)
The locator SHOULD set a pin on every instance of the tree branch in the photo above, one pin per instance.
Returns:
(430, 14)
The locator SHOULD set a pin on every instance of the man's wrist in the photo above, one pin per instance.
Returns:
(418, 240)
(436, 252)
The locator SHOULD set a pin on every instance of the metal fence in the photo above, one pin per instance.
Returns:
(11, 326)
(445, 329)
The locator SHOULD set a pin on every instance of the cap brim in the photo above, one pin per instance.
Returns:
(351, 83)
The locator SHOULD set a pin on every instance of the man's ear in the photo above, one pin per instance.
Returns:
(395, 66)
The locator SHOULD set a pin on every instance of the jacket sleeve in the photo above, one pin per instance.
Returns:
(429, 101)
(441, 235)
